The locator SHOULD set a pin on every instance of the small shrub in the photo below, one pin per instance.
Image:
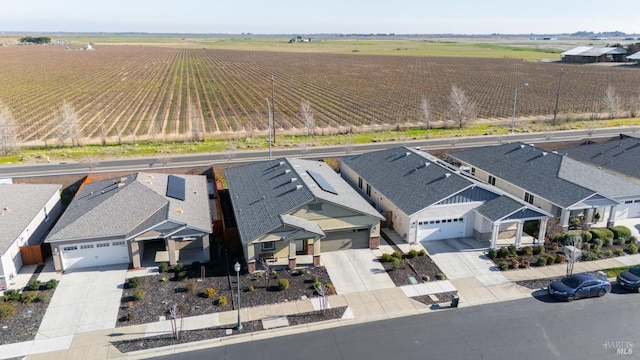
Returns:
(607, 242)
(620, 232)
(315, 279)
(130, 316)
(412, 253)
(52, 284)
(512, 250)
(302, 271)
(633, 240)
(618, 241)
(551, 259)
(596, 247)
(503, 265)
(542, 261)
(163, 267)
(527, 251)
(43, 297)
(586, 246)
(251, 288)
(589, 256)
(7, 310)
(35, 285)
(600, 233)
(275, 274)
(395, 263)
(317, 284)
(555, 246)
(441, 276)
(164, 279)
(283, 284)
(222, 301)
(12, 295)
(209, 293)
(618, 251)
(598, 242)
(632, 249)
(138, 294)
(182, 275)
(258, 275)
(538, 249)
(331, 290)
(559, 259)
(397, 254)
(608, 252)
(525, 264)
(426, 278)
(503, 252)
(422, 252)
(192, 286)
(492, 254)
(133, 282)
(27, 297)
(178, 267)
(515, 264)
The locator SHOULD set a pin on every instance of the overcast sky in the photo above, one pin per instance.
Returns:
(326, 16)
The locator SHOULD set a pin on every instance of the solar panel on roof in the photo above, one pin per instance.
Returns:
(175, 187)
(322, 182)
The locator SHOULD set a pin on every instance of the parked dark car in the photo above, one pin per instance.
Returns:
(579, 286)
(630, 279)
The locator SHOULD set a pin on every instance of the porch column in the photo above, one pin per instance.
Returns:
(519, 233)
(136, 255)
(564, 219)
(612, 216)
(316, 251)
(589, 216)
(542, 231)
(494, 235)
(250, 256)
(206, 251)
(292, 255)
(171, 248)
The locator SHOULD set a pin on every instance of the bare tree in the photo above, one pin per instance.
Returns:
(634, 105)
(321, 289)
(103, 135)
(267, 271)
(194, 119)
(307, 117)
(68, 125)
(461, 109)
(175, 312)
(425, 106)
(612, 101)
(8, 131)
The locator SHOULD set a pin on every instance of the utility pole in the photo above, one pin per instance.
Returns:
(270, 125)
(555, 112)
(273, 109)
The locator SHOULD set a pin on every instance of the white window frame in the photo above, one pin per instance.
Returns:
(268, 246)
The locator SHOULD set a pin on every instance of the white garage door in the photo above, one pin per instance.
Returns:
(628, 210)
(438, 229)
(94, 254)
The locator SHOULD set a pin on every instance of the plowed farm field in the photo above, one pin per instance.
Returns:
(145, 91)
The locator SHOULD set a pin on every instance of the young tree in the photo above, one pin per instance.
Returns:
(634, 105)
(307, 117)
(612, 101)
(194, 119)
(425, 106)
(68, 125)
(461, 109)
(8, 131)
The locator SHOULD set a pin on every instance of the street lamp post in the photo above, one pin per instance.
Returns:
(515, 101)
(237, 269)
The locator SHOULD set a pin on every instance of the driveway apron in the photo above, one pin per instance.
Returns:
(462, 258)
(356, 270)
(85, 300)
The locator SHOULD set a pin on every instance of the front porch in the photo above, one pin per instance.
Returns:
(153, 252)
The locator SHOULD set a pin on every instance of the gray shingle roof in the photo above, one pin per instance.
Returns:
(301, 224)
(504, 207)
(127, 205)
(593, 178)
(19, 205)
(403, 177)
(620, 155)
(528, 167)
(263, 191)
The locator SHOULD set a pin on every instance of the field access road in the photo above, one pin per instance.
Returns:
(531, 328)
(55, 167)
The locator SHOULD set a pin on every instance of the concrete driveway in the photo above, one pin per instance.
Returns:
(355, 270)
(85, 300)
(463, 258)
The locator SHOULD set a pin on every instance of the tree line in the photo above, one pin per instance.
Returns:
(35, 40)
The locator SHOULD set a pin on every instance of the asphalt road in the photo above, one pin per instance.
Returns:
(147, 163)
(533, 328)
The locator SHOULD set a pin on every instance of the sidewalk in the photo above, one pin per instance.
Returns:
(361, 307)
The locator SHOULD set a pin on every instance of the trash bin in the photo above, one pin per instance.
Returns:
(455, 299)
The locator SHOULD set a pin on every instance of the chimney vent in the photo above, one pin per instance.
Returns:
(281, 163)
(407, 153)
(446, 175)
(298, 187)
(294, 179)
(286, 171)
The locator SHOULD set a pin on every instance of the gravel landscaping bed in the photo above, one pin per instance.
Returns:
(221, 331)
(23, 326)
(416, 268)
(537, 284)
(162, 291)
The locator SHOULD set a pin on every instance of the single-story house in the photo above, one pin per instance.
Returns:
(554, 182)
(424, 199)
(158, 217)
(618, 156)
(289, 207)
(589, 54)
(27, 212)
(634, 57)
